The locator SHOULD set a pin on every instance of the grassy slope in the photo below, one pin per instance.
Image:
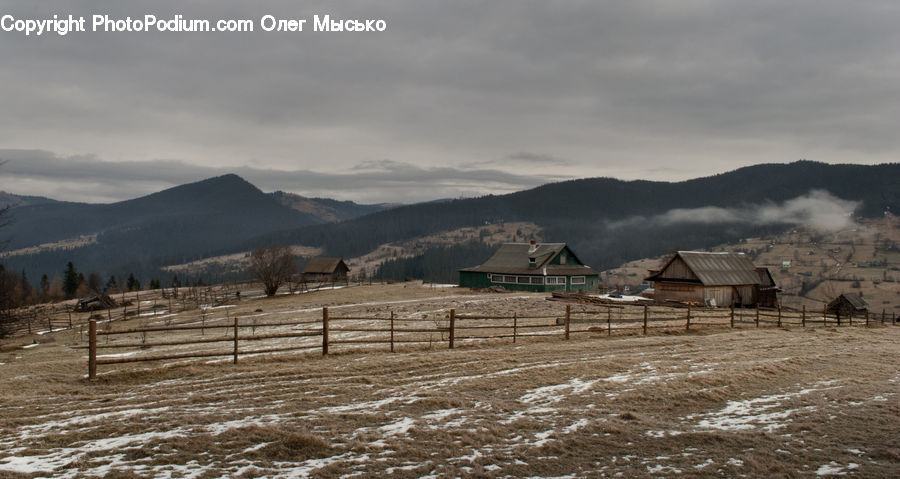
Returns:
(768, 402)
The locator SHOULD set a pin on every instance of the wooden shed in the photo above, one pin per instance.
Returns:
(326, 270)
(532, 267)
(846, 304)
(713, 279)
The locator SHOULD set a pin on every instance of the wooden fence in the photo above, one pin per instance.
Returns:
(229, 338)
(63, 316)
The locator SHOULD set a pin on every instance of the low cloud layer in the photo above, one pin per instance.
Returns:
(817, 209)
(89, 179)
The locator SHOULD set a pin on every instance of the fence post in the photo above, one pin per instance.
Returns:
(608, 321)
(452, 326)
(29, 324)
(568, 314)
(515, 325)
(779, 315)
(687, 324)
(867, 318)
(732, 316)
(70, 317)
(803, 317)
(92, 350)
(825, 315)
(324, 331)
(851, 318)
(883, 315)
(49, 324)
(757, 315)
(392, 331)
(645, 320)
(235, 339)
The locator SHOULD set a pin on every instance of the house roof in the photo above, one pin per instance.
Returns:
(323, 265)
(855, 300)
(716, 269)
(514, 258)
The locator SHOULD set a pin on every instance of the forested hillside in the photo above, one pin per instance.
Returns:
(609, 221)
(606, 221)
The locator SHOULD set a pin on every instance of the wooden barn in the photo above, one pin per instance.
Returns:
(532, 267)
(846, 304)
(326, 270)
(714, 279)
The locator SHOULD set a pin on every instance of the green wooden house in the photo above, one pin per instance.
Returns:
(532, 267)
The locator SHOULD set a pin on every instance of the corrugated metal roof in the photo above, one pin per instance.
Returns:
(721, 269)
(322, 265)
(513, 258)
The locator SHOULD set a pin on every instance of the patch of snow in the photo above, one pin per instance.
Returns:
(735, 462)
(619, 378)
(400, 427)
(118, 355)
(660, 469)
(29, 346)
(835, 469)
(752, 413)
(703, 464)
(441, 414)
(621, 299)
(575, 426)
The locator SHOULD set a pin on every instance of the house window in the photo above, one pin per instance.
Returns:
(577, 279)
(562, 259)
(532, 261)
(556, 280)
(537, 280)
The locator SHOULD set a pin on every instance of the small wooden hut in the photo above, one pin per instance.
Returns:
(713, 279)
(846, 304)
(326, 271)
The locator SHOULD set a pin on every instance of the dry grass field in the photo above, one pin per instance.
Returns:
(768, 402)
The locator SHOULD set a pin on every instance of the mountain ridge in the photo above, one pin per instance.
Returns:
(227, 214)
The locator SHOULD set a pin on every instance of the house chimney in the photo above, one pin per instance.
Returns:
(533, 247)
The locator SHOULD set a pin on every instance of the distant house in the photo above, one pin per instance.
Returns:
(846, 304)
(326, 270)
(532, 267)
(714, 279)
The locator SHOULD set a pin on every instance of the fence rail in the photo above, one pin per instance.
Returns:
(361, 330)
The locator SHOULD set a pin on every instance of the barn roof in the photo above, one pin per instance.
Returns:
(514, 258)
(323, 265)
(855, 300)
(716, 269)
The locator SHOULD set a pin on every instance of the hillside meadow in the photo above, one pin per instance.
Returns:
(767, 402)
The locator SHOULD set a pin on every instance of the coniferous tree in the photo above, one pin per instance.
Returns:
(45, 286)
(70, 281)
(94, 282)
(112, 285)
(133, 284)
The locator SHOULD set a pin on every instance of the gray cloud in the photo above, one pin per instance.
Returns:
(87, 178)
(645, 89)
(818, 209)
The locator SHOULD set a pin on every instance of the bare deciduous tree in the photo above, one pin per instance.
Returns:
(273, 266)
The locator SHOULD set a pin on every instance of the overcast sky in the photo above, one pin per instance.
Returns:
(455, 98)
